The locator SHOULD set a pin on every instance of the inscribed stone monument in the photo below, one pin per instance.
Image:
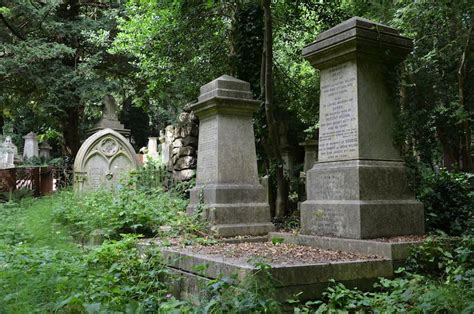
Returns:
(227, 177)
(103, 159)
(358, 187)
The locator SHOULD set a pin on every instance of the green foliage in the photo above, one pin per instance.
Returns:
(254, 294)
(112, 213)
(177, 47)
(448, 201)
(442, 283)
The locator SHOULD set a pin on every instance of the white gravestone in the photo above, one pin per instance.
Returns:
(152, 149)
(8, 151)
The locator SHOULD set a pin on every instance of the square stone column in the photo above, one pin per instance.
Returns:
(358, 187)
(227, 182)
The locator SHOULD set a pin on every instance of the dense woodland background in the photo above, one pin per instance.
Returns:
(58, 58)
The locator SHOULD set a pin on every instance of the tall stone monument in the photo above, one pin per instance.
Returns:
(227, 179)
(358, 187)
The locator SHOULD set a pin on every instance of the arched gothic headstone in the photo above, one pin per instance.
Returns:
(103, 159)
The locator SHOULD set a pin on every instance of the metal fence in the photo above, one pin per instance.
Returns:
(36, 180)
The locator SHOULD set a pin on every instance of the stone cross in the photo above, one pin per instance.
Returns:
(358, 187)
(109, 118)
(227, 179)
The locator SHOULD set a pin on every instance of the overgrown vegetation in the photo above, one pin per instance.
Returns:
(123, 211)
(44, 270)
(449, 201)
(438, 278)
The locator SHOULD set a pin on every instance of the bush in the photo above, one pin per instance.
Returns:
(111, 213)
(448, 201)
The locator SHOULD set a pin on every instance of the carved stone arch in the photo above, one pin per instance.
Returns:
(102, 160)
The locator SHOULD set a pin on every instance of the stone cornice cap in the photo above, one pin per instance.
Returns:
(30, 135)
(225, 94)
(361, 37)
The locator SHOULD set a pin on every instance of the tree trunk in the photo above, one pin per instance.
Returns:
(72, 141)
(465, 141)
(282, 184)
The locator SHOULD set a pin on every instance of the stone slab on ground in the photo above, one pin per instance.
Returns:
(294, 268)
(396, 249)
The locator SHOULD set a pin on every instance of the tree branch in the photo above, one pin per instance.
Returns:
(11, 28)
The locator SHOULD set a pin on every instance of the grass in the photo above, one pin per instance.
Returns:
(31, 248)
(33, 219)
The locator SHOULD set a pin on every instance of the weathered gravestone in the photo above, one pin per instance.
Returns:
(30, 149)
(358, 187)
(227, 175)
(103, 159)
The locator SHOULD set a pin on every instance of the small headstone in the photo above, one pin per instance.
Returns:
(103, 160)
(358, 187)
(31, 146)
(45, 150)
(227, 176)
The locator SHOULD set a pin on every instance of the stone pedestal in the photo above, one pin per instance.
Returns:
(227, 179)
(31, 146)
(358, 188)
(45, 150)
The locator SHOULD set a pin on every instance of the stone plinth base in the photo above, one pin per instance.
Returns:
(397, 250)
(223, 207)
(309, 279)
(360, 199)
